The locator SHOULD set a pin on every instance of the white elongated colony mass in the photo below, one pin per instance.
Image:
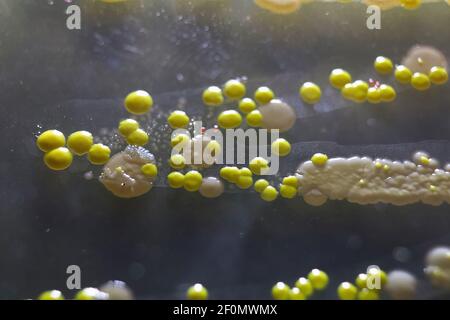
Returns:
(365, 181)
(122, 174)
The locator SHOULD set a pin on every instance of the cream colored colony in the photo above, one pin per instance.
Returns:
(366, 181)
(122, 174)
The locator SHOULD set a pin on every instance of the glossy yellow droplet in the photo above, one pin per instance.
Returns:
(376, 272)
(80, 142)
(175, 180)
(192, 181)
(366, 294)
(403, 74)
(269, 194)
(180, 140)
(137, 138)
(420, 81)
(58, 159)
(234, 89)
(229, 119)
(281, 291)
(438, 75)
(287, 192)
(281, 147)
(291, 181)
(91, 294)
(318, 278)
(254, 118)
(347, 291)
(150, 170)
(127, 126)
(339, 78)
(348, 91)
(247, 105)
(197, 292)
(374, 95)
(258, 164)
(260, 185)
(296, 294)
(177, 161)
(263, 95)
(51, 295)
(50, 139)
(361, 280)
(383, 65)
(212, 96)
(244, 182)
(360, 91)
(305, 286)
(138, 102)
(319, 159)
(310, 93)
(178, 119)
(388, 93)
(99, 154)
(230, 174)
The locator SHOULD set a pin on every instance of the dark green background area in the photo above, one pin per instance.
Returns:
(238, 245)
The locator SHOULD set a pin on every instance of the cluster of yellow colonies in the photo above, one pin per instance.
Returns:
(361, 290)
(303, 288)
(59, 157)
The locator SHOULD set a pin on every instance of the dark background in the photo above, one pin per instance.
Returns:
(238, 246)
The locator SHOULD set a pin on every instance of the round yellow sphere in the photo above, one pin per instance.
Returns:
(80, 142)
(58, 159)
(99, 154)
(138, 102)
(50, 139)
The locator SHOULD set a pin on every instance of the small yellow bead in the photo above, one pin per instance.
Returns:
(287, 192)
(318, 278)
(281, 147)
(229, 119)
(383, 65)
(296, 294)
(269, 194)
(361, 280)
(263, 95)
(99, 154)
(360, 91)
(374, 95)
(420, 81)
(424, 160)
(192, 181)
(213, 148)
(178, 119)
(175, 180)
(411, 4)
(281, 291)
(138, 102)
(438, 75)
(149, 170)
(58, 159)
(319, 159)
(347, 291)
(361, 85)
(177, 161)
(254, 118)
(257, 164)
(305, 286)
(127, 126)
(339, 78)
(310, 93)
(80, 142)
(90, 294)
(378, 165)
(244, 182)
(51, 295)
(246, 172)
(213, 96)
(366, 294)
(247, 105)
(348, 91)
(138, 138)
(375, 272)
(234, 89)
(50, 139)
(230, 174)
(388, 93)
(260, 185)
(197, 292)
(403, 74)
(291, 181)
(180, 140)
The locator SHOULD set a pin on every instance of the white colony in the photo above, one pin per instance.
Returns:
(117, 290)
(365, 181)
(401, 285)
(422, 58)
(277, 115)
(211, 187)
(438, 267)
(122, 174)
